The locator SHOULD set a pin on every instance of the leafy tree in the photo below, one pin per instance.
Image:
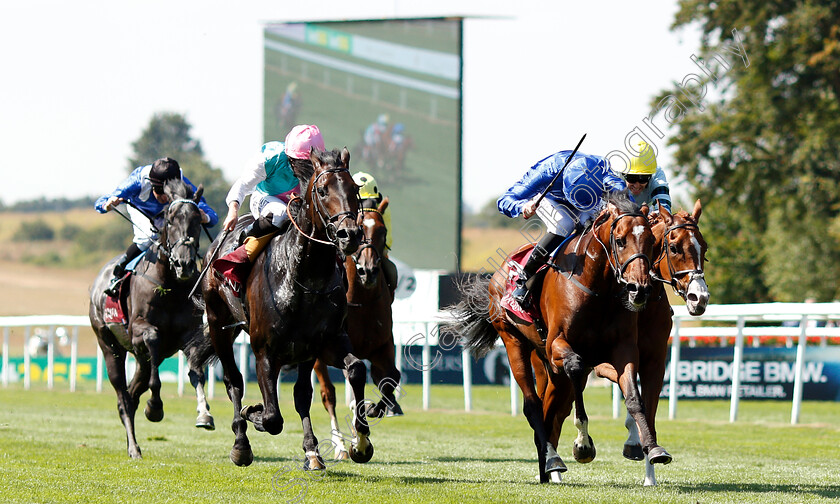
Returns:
(168, 134)
(760, 149)
(490, 217)
(37, 230)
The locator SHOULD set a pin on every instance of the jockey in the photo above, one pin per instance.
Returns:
(144, 190)
(271, 182)
(576, 198)
(368, 190)
(646, 181)
(374, 132)
(397, 137)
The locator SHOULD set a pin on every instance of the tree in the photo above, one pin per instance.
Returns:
(761, 150)
(168, 134)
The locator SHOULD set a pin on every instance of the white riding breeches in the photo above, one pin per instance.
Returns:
(561, 218)
(262, 205)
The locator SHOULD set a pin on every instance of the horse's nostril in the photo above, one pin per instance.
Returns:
(341, 234)
(632, 287)
(692, 297)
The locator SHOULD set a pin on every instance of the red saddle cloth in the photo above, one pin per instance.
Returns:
(113, 312)
(233, 269)
(519, 257)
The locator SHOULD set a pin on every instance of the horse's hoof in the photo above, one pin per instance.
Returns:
(394, 410)
(584, 454)
(633, 452)
(253, 413)
(658, 455)
(135, 454)
(205, 421)
(361, 457)
(342, 455)
(242, 457)
(555, 464)
(314, 463)
(374, 411)
(153, 414)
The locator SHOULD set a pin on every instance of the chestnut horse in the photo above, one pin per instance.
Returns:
(590, 299)
(161, 317)
(680, 251)
(369, 322)
(294, 308)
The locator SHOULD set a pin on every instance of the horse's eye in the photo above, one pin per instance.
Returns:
(619, 242)
(322, 192)
(673, 249)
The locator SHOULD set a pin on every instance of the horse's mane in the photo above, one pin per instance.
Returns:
(622, 201)
(177, 189)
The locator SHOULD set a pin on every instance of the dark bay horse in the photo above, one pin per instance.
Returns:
(589, 301)
(369, 322)
(161, 318)
(294, 308)
(680, 252)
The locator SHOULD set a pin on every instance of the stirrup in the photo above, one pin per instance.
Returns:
(520, 295)
(113, 288)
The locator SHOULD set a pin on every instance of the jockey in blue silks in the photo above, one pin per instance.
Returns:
(143, 188)
(576, 198)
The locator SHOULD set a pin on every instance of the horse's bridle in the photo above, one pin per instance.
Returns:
(693, 274)
(330, 222)
(612, 258)
(190, 241)
(366, 243)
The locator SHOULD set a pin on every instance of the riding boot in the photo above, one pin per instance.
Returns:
(390, 271)
(119, 269)
(236, 265)
(537, 259)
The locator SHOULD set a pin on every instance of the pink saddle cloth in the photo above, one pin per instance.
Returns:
(519, 257)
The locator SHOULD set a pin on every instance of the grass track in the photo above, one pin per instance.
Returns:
(61, 447)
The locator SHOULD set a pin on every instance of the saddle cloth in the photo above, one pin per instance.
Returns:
(520, 257)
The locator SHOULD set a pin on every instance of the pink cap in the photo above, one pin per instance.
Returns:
(301, 138)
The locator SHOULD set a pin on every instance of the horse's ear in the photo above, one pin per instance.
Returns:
(314, 158)
(345, 157)
(665, 215)
(604, 215)
(645, 209)
(384, 204)
(198, 193)
(698, 209)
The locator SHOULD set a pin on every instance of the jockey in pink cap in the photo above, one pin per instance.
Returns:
(270, 180)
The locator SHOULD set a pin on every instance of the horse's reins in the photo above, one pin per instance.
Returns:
(329, 222)
(693, 274)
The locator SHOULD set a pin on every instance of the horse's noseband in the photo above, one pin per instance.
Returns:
(367, 244)
(190, 241)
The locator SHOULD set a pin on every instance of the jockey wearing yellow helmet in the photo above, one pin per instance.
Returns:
(369, 190)
(645, 180)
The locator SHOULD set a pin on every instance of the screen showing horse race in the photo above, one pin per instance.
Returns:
(390, 91)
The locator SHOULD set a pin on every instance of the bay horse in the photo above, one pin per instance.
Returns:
(294, 308)
(161, 317)
(369, 322)
(680, 251)
(589, 299)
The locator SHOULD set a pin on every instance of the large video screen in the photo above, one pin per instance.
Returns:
(390, 91)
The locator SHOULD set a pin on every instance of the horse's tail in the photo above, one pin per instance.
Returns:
(473, 316)
(199, 349)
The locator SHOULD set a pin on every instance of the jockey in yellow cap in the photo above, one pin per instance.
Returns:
(369, 190)
(645, 180)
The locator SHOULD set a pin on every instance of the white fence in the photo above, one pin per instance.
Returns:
(424, 333)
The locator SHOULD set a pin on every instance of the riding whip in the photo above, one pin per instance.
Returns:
(559, 172)
(209, 263)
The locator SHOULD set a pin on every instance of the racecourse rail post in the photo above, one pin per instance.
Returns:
(27, 374)
(513, 393)
(800, 365)
(466, 365)
(5, 357)
(427, 371)
(675, 359)
(74, 357)
(737, 359)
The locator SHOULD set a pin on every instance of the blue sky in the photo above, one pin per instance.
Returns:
(82, 79)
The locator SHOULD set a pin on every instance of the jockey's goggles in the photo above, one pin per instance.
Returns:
(637, 179)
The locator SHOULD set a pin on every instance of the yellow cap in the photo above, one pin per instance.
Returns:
(367, 185)
(644, 163)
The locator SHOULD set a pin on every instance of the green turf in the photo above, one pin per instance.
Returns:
(57, 446)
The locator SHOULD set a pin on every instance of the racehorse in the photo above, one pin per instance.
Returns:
(589, 299)
(369, 323)
(680, 252)
(294, 308)
(161, 317)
